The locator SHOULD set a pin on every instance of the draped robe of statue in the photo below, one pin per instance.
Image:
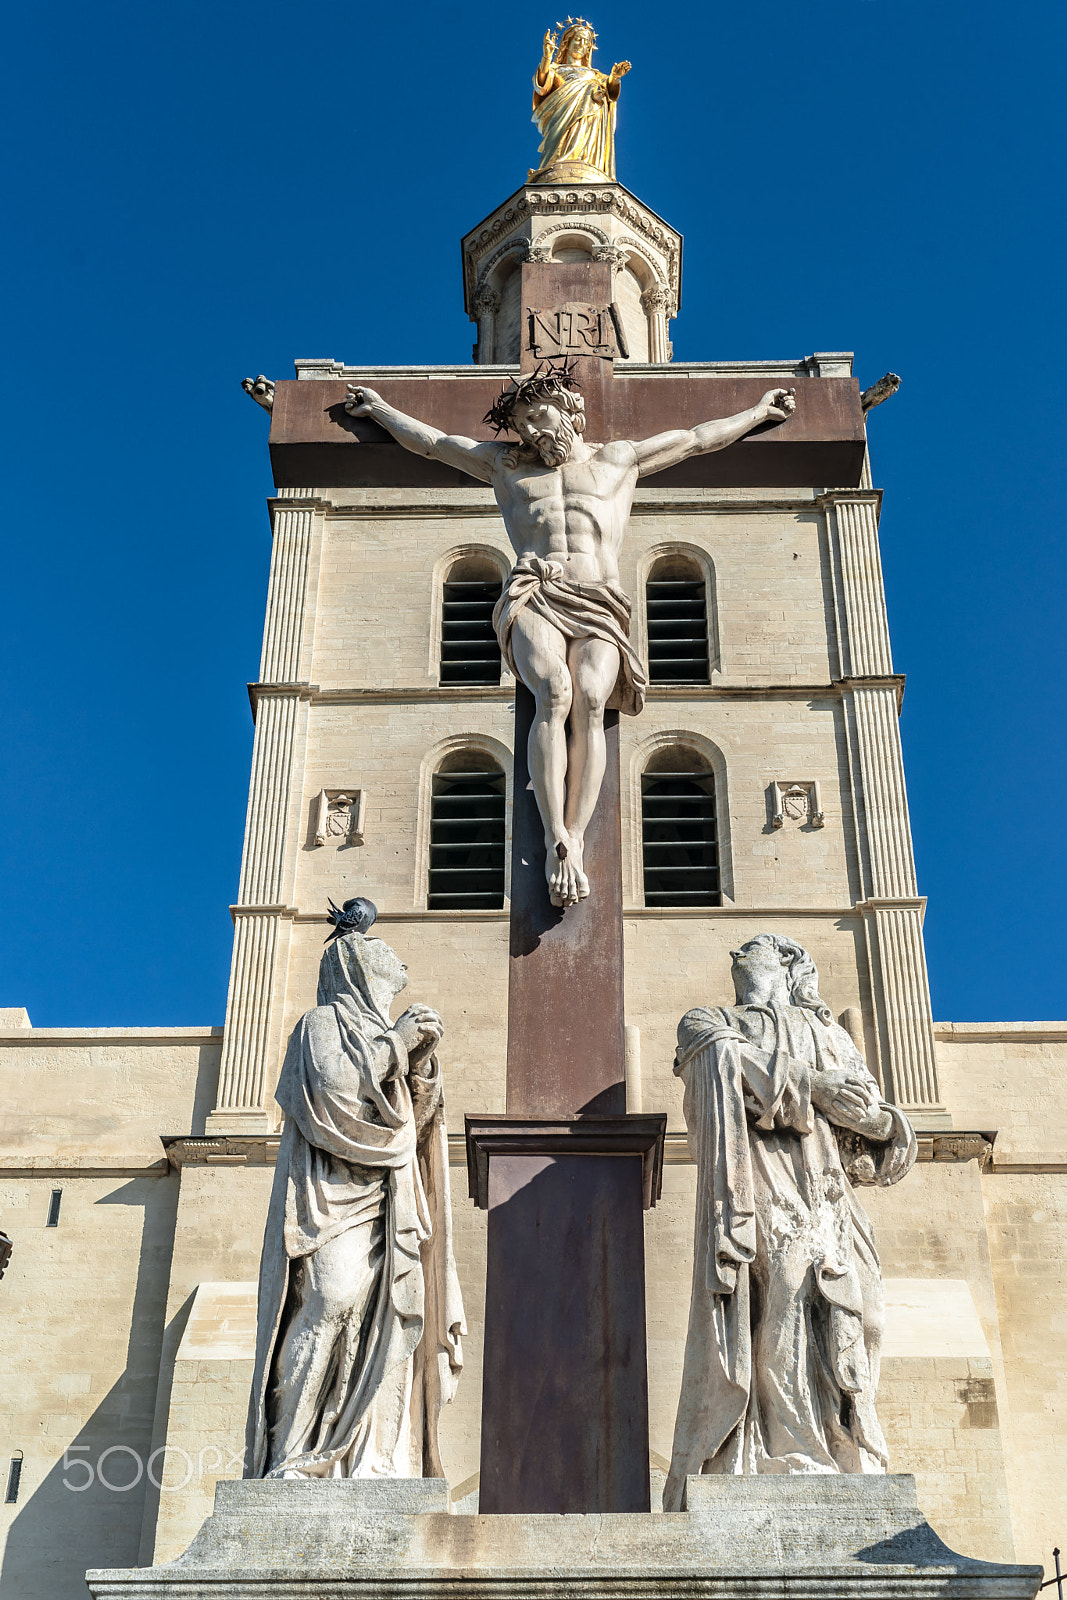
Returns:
(576, 120)
(362, 1174)
(785, 1325)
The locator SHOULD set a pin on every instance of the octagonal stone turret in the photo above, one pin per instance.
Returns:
(559, 222)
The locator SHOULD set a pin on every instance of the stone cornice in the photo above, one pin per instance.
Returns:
(957, 1145)
(647, 502)
(998, 1032)
(890, 680)
(221, 1150)
(257, 1150)
(665, 693)
(82, 1036)
(834, 497)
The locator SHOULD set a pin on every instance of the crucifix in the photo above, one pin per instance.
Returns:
(565, 1173)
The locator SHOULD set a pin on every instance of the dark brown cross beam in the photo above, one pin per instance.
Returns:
(565, 1173)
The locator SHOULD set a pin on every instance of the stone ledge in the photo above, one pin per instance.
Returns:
(805, 1538)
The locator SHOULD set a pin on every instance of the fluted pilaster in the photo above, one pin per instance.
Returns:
(283, 632)
(263, 862)
(863, 628)
(255, 942)
(261, 932)
(892, 909)
(908, 1027)
(890, 864)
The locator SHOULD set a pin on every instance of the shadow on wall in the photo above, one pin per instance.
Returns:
(63, 1528)
(206, 1091)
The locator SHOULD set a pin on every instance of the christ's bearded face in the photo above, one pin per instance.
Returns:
(545, 429)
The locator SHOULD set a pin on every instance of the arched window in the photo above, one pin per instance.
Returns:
(676, 600)
(467, 834)
(678, 830)
(469, 651)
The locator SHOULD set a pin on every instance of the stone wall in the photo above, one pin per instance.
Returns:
(83, 1303)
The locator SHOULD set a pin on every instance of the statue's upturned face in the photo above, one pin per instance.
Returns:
(543, 427)
(384, 965)
(758, 972)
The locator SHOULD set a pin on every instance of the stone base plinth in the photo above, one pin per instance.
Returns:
(772, 1538)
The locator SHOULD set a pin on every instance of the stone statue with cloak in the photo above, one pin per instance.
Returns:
(360, 1314)
(785, 1323)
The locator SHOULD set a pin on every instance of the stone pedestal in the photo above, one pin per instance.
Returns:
(773, 1538)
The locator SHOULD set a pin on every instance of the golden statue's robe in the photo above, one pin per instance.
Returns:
(576, 120)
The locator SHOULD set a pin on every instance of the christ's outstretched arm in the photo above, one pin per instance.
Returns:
(477, 459)
(667, 449)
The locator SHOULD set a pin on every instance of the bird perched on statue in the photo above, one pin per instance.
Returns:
(355, 916)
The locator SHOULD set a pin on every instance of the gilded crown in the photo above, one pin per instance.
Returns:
(575, 22)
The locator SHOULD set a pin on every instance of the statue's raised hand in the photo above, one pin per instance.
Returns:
(620, 69)
(778, 404)
(361, 401)
(549, 46)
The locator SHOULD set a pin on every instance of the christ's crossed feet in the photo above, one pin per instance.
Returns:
(567, 883)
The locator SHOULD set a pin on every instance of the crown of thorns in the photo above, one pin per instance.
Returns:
(548, 379)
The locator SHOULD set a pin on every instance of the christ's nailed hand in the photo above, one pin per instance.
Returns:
(361, 401)
(778, 404)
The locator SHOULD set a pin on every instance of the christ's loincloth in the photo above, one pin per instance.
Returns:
(577, 611)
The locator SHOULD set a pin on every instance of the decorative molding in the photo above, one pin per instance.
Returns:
(338, 816)
(485, 301)
(630, 912)
(957, 1146)
(1002, 1032)
(636, 1135)
(796, 802)
(221, 1150)
(613, 254)
(530, 209)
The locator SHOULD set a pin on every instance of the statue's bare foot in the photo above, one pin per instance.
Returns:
(567, 883)
(576, 858)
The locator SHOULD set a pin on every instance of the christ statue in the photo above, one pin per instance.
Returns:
(563, 617)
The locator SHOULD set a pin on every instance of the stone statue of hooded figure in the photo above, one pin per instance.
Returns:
(360, 1314)
(785, 1323)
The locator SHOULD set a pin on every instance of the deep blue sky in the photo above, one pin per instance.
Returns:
(204, 191)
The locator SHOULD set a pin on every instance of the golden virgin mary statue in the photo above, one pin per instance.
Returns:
(574, 109)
